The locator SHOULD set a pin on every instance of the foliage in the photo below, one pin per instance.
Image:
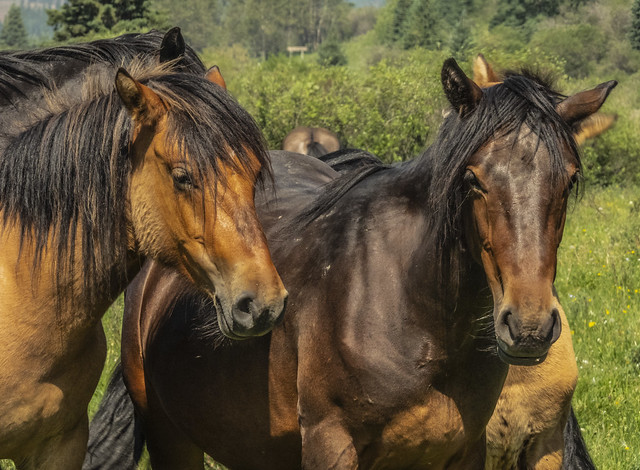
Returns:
(389, 109)
(330, 53)
(518, 12)
(582, 46)
(199, 19)
(634, 31)
(419, 27)
(79, 18)
(263, 27)
(14, 34)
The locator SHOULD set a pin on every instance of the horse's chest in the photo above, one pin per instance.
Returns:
(427, 435)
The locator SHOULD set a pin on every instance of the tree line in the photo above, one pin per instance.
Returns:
(267, 27)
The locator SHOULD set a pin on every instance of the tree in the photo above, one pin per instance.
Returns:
(78, 18)
(330, 53)
(400, 14)
(461, 39)
(634, 32)
(199, 21)
(13, 32)
(517, 12)
(420, 26)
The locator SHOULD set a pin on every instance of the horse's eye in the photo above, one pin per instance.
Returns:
(182, 179)
(471, 179)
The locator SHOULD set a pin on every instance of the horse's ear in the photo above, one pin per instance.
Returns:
(172, 46)
(141, 101)
(582, 105)
(593, 126)
(461, 91)
(214, 75)
(483, 74)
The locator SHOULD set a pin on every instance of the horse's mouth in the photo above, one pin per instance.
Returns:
(223, 322)
(520, 360)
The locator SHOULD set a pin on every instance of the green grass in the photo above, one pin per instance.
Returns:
(599, 286)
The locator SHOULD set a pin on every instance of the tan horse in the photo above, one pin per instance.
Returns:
(526, 428)
(107, 177)
(314, 141)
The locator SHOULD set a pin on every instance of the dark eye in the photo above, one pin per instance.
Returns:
(471, 179)
(182, 179)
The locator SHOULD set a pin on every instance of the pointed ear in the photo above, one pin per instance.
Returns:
(583, 104)
(483, 74)
(144, 105)
(462, 92)
(593, 126)
(214, 76)
(172, 46)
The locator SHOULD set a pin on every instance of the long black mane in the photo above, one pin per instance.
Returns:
(47, 67)
(65, 176)
(522, 100)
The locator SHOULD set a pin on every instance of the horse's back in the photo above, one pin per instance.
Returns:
(297, 180)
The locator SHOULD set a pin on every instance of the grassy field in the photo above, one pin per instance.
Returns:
(599, 285)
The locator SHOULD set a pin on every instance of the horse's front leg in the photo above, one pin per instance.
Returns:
(326, 444)
(65, 451)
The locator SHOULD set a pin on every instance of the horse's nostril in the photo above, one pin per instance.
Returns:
(508, 320)
(243, 304)
(556, 326)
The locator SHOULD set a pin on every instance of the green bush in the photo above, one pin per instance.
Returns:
(582, 46)
(391, 109)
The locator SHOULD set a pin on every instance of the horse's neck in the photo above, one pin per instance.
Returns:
(39, 288)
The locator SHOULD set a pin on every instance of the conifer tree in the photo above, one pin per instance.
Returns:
(400, 14)
(14, 34)
(78, 18)
(419, 27)
(634, 31)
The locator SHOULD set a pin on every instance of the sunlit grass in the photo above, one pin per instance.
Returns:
(599, 285)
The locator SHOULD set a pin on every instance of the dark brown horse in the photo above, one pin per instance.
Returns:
(529, 427)
(118, 170)
(314, 141)
(387, 354)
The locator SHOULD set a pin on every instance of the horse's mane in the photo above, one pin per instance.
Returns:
(112, 51)
(15, 73)
(26, 67)
(523, 99)
(65, 175)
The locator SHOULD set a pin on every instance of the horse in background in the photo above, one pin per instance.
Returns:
(314, 141)
(104, 176)
(533, 425)
(324, 145)
(387, 355)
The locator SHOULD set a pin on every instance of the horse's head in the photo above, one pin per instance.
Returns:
(194, 170)
(518, 181)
